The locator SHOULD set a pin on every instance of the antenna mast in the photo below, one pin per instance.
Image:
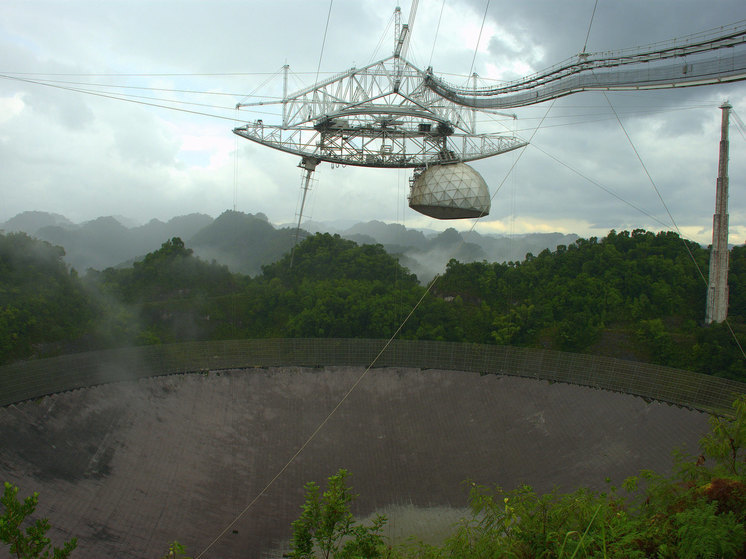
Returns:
(717, 288)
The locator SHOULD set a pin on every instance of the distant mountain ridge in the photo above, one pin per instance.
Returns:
(103, 242)
(427, 254)
(246, 242)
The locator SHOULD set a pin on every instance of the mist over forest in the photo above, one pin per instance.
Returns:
(633, 295)
(246, 242)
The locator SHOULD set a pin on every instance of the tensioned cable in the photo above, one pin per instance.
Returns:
(384, 35)
(652, 182)
(323, 42)
(596, 117)
(370, 366)
(321, 425)
(673, 221)
(161, 75)
(579, 173)
(437, 30)
(117, 98)
(515, 162)
(739, 124)
(143, 88)
(511, 242)
(235, 168)
(257, 88)
(601, 186)
(232, 74)
(590, 23)
(128, 96)
(479, 38)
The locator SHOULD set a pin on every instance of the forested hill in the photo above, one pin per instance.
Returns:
(245, 242)
(634, 295)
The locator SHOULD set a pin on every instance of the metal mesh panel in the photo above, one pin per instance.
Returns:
(699, 69)
(32, 379)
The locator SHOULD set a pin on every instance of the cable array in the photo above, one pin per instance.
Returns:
(120, 93)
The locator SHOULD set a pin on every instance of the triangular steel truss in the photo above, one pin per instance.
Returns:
(381, 115)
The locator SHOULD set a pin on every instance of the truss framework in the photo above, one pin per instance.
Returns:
(381, 115)
(705, 58)
(379, 148)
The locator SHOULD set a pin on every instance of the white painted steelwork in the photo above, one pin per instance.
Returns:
(391, 114)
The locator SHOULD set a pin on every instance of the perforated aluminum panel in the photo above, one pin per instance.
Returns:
(451, 191)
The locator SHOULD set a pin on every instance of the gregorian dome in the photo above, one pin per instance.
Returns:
(449, 191)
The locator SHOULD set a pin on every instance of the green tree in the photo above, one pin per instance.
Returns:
(176, 551)
(326, 528)
(43, 306)
(31, 542)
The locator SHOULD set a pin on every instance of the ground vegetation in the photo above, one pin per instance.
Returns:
(633, 295)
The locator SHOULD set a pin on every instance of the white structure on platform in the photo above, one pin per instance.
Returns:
(391, 114)
(450, 191)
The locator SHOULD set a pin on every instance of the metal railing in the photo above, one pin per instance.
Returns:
(28, 380)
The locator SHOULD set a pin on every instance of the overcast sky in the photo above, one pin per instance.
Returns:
(85, 155)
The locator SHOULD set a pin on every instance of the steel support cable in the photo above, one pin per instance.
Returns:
(357, 382)
(323, 41)
(599, 185)
(119, 98)
(143, 88)
(160, 75)
(590, 23)
(235, 168)
(128, 96)
(257, 88)
(595, 61)
(673, 221)
(437, 30)
(479, 37)
(384, 35)
(571, 76)
(596, 118)
(739, 123)
(320, 426)
(652, 183)
(711, 71)
(517, 159)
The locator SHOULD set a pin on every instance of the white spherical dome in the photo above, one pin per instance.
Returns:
(450, 191)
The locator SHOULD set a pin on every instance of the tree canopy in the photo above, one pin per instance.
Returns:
(634, 295)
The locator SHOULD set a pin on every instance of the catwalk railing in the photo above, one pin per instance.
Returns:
(36, 378)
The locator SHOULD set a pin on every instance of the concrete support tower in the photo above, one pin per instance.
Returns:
(717, 289)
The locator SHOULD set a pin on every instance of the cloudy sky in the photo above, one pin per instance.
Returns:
(129, 148)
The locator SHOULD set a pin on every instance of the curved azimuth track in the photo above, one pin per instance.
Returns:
(683, 62)
(391, 114)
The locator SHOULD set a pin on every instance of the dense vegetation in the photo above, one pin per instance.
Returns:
(634, 295)
(42, 303)
(24, 533)
(698, 511)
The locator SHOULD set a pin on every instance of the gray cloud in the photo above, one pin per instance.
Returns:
(84, 156)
